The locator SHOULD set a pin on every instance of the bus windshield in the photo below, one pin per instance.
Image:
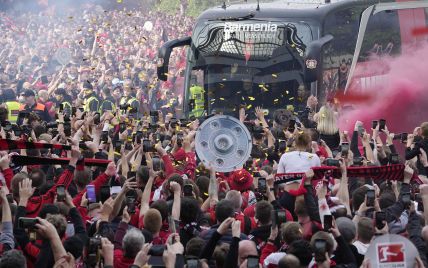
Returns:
(252, 63)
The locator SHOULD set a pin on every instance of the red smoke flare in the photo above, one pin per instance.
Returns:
(401, 98)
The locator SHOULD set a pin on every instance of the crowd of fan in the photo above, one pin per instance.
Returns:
(132, 192)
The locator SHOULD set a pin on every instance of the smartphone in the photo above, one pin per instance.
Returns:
(344, 149)
(104, 136)
(61, 107)
(292, 125)
(67, 129)
(370, 198)
(320, 249)
(361, 131)
(148, 146)
(60, 193)
(104, 193)
(138, 137)
(73, 111)
(374, 124)
(380, 217)
(118, 146)
(122, 127)
(382, 124)
(156, 163)
(394, 159)
(27, 223)
(9, 198)
(418, 198)
(405, 198)
(328, 222)
(262, 185)
(252, 262)
(404, 137)
(97, 118)
(115, 190)
(130, 203)
(281, 217)
(188, 190)
(131, 174)
(44, 80)
(180, 139)
(282, 146)
(90, 193)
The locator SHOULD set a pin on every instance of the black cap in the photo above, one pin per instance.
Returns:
(28, 93)
(87, 85)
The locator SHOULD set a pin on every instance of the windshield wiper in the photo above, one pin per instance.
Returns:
(247, 17)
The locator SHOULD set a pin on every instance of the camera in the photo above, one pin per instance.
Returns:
(27, 223)
(156, 250)
(358, 161)
(332, 162)
(402, 137)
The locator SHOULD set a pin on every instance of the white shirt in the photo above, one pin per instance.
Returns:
(361, 247)
(297, 162)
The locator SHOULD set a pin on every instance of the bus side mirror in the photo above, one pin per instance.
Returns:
(164, 54)
(313, 64)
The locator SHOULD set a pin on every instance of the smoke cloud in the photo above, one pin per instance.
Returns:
(401, 98)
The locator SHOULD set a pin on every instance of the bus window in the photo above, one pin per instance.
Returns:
(337, 56)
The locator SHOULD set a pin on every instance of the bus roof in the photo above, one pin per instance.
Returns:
(280, 9)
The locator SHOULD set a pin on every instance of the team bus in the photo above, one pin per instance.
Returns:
(277, 54)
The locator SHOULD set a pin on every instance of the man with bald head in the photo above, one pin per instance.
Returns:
(247, 223)
(246, 248)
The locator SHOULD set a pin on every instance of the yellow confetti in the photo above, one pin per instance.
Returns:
(119, 1)
(261, 86)
(292, 98)
(221, 98)
(251, 98)
(300, 132)
(224, 79)
(274, 75)
(287, 92)
(275, 100)
(249, 106)
(243, 98)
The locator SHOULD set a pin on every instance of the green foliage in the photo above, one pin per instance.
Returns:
(194, 7)
(169, 6)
